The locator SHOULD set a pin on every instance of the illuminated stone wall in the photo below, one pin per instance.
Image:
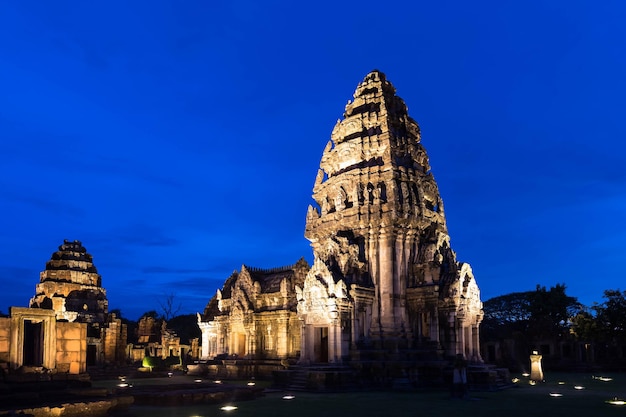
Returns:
(254, 315)
(5, 335)
(71, 347)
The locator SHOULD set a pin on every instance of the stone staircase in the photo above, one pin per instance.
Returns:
(298, 380)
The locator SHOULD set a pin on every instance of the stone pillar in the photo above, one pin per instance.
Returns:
(386, 281)
(457, 325)
(282, 347)
(354, 323)
(204, 354)
(476, 344)
(373, 259)
(332, 342)
(304, 341)
(434, 326)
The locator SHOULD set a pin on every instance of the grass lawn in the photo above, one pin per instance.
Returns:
(522, 400)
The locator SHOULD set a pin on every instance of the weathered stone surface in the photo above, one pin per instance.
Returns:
(71, 286)
(384, 274)
(254, 315)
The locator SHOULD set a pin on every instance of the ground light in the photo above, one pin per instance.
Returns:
(289, 397)
(556, 394)
(578, 387)
(616, 401)
(228, 408)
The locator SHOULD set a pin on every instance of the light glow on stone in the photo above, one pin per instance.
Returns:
(251, 384)
(228, 408)
(561, 383)
(579, 387)
(526, 374)
(289, 397)
(531, 382)
(122, 385)
(217, 381)
(197, 381)
(515, 380)
(556, 394)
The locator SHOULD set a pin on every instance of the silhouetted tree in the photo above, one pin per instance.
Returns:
(169, 306)
(611, 317)
(551, 312)
(529, 317)
(506, 314)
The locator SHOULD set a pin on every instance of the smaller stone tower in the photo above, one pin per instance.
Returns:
(71, 286)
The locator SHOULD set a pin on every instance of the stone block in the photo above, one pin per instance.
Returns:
(72, 345)
(74, 368)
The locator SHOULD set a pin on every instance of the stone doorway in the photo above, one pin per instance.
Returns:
(320, 348)
(240, 344)
(92, 351)
(32, 353)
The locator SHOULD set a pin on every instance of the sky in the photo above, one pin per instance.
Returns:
(180, 140)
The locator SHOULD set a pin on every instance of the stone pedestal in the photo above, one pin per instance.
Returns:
(536, 373)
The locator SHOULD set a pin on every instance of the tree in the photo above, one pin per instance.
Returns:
(551, 312)
(169, 306)
(611, 317)
(506, 314)
(585, 326)
(536, 315)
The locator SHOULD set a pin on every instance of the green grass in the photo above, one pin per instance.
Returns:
(522, 400)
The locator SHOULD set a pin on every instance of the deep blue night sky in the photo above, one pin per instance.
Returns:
(180, 140)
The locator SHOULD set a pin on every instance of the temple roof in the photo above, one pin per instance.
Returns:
(71, 256)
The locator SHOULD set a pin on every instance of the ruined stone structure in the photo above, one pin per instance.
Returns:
(384, 276)
(33, 340)
(254, 315)
(156, 339)
(71, 287)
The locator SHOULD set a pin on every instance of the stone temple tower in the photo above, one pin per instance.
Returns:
(71, 286)
(384, 277)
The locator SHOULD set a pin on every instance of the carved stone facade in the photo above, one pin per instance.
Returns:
(384, 275)
(254, 315)
(384, 280)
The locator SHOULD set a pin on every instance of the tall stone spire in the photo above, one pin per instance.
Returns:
(379, 230)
